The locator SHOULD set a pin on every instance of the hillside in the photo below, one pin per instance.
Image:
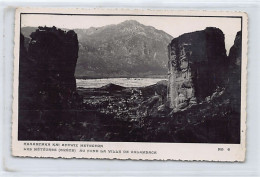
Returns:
(128, 49)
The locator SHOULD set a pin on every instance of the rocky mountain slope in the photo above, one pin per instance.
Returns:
(128, 49)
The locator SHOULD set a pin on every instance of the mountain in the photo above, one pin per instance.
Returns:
(128, 49)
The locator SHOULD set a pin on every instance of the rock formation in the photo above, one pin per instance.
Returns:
(234, 84)
(25, 88)
(197, 66)
(47, 70)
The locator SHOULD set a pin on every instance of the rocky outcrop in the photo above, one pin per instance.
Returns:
(25, 88)
(236, 51)
(234, 84)
(197, 66)
(47, 70)
(155, 105)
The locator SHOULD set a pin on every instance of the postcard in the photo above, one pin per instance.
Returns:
(130, 84)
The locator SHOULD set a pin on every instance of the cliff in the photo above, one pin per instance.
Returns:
(26, 98)
(197, 66)
(234, 84)
(47, 70)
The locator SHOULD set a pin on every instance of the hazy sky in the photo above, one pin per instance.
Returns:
(175, 26)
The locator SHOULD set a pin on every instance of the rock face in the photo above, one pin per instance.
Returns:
(25, 88)
(47, 70)
(234, 85)
(197, 66)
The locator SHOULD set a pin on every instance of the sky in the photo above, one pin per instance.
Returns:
(175, 26)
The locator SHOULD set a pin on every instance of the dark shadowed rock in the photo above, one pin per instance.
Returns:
(162, 82)
(112, 87)
(150, 107)
(160, 88)
(236, 50)
(197, 65)
(234, 85)
(47, 69)
(27, 97)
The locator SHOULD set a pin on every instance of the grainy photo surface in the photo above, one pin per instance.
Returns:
(91, 79)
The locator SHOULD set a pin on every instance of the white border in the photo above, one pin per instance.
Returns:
(165, 151)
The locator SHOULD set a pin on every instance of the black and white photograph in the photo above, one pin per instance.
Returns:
(135, 77)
